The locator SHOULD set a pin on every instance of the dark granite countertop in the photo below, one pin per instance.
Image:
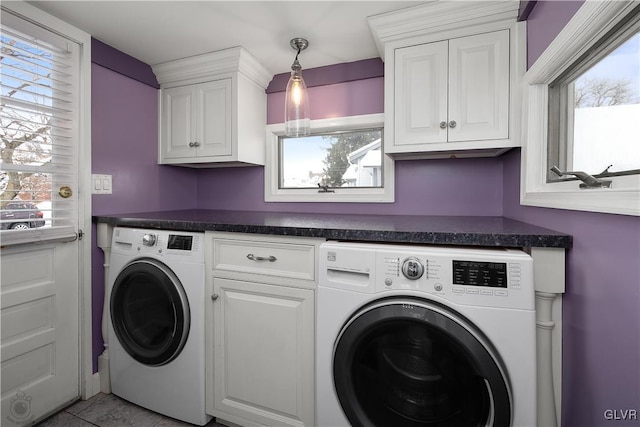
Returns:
(440, 230)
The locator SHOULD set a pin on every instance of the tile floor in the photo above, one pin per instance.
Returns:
(108, 410)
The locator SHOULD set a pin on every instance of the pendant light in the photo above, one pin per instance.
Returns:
(296, 104)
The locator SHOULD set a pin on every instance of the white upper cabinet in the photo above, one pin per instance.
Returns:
(212, 110)
(452, 86)
(196, 120)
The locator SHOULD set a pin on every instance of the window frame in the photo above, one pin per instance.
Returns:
(273, 192)
(593, 21)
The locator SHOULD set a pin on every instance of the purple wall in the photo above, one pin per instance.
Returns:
(423, 187)
(601, 319)
(124, 144)
(544, 23)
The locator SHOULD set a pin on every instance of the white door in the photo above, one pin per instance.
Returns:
(421, 94)
(45, 117)
(479, 87)
(40, 318)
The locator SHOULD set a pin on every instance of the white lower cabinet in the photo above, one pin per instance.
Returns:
(260, 332)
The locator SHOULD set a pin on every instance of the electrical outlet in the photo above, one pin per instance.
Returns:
(101, 184)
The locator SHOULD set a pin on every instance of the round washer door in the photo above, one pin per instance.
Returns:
(408, 363)
(150, 312)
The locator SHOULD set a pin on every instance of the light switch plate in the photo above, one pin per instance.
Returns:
(101, 184)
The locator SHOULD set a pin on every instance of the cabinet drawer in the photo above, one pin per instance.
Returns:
(269, 258)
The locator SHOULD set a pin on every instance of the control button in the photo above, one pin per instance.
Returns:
(437, 287)
(486, 292)
(149, 239)
(388, 281)
(472, 291)
(412, 268)
(501, 293)
(458, 290)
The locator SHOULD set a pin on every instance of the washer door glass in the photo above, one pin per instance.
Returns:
(413, 363)
(149, 312)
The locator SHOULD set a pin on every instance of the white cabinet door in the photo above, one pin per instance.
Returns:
(263, 339)
(178, 122)
(479, 87)
(451, 95)
(214, 118)
(421, 94)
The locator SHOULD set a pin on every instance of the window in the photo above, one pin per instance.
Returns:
(39, 132)
(341, 161)
(594, 109)
(583, 110)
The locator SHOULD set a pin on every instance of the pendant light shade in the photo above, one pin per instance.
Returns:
(296, 104)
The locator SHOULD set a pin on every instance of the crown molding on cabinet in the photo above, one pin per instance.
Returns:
(235, 59)
(438, 17)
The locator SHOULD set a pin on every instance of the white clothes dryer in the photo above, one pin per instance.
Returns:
(412, 336)
(156, 294)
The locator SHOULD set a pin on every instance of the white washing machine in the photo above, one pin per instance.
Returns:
(156, 292)
(413, 336)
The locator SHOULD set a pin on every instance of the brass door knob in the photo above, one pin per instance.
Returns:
(65, 192)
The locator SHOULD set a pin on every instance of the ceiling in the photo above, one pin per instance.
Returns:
(160, 31)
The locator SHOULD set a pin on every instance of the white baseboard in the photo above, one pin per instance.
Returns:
(95, 384)
(103, 370)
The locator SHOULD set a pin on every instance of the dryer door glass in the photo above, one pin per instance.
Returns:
(149, 312)
(411, 363)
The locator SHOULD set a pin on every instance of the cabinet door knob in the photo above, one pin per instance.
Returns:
(443, 125)
(196, 144)
(192, 144)
(214, 297)
(452, 124)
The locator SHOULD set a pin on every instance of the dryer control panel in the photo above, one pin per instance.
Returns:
(471, 276)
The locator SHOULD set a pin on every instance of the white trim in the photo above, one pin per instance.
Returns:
(432, 19)
(363, 195)
(42, 18)
(202, 67)
(588, 25)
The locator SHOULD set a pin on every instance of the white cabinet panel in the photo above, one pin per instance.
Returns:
(479, 87)
(178, 121)
(421, 93)
(272, 258)
(263, 355)
(214, 118)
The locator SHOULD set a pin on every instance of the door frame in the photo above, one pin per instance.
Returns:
(89, 382)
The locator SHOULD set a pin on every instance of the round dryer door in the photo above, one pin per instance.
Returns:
(149, 312)
(408, 363)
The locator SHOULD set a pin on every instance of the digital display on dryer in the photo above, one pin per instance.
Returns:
(473, 273)
(179, 242)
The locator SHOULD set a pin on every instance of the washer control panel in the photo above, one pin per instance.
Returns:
(488, 277)
(161, 243)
